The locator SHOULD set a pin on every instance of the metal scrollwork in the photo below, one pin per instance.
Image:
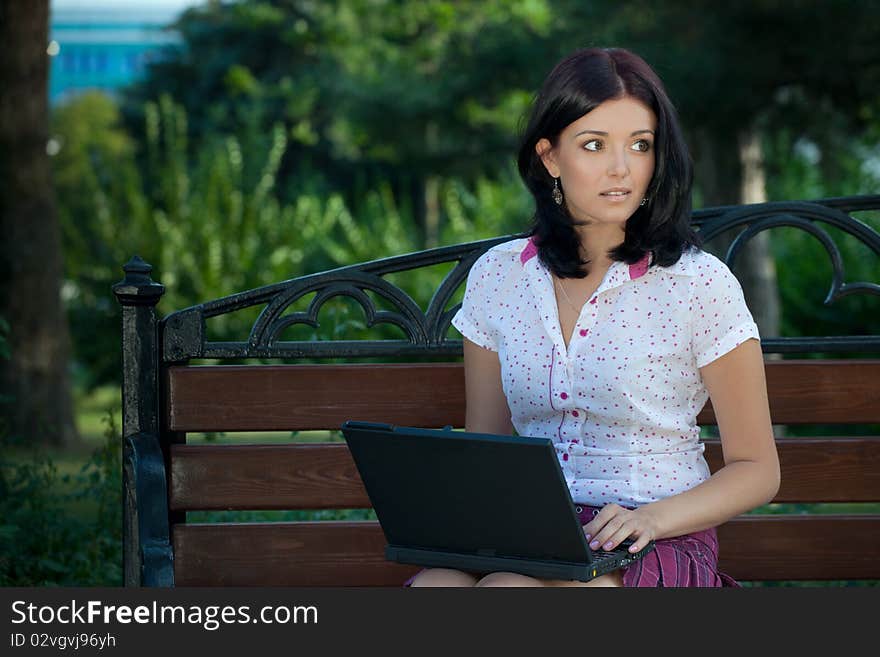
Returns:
(804, 217)
(183, 331)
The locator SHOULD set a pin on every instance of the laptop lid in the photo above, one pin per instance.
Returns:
(472, 493)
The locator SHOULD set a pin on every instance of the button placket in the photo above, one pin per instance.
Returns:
(585, 325)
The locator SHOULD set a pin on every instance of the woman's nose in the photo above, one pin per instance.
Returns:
(617, 164)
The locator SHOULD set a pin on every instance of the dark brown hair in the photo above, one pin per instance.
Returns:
(576, 86)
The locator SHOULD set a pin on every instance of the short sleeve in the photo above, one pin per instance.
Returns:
(721, 318)
(472, 319)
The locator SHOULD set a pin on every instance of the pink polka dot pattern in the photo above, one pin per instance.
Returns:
(620, 401)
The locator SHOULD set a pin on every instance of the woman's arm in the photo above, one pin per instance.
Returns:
(749, 478)
(486, 405)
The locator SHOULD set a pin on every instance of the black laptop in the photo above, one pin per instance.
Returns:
(475, 502)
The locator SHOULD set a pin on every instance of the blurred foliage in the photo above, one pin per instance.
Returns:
(61, 529)
(4, 341)
(208, 234)
(398, 91)
(804, 270)
(368, 91)
(5, 400)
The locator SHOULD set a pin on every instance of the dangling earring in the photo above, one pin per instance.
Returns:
(645, 201)
(557, 193)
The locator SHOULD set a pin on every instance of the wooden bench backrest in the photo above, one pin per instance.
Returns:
(323, 476)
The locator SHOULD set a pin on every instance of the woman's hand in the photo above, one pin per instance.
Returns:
(613, 524)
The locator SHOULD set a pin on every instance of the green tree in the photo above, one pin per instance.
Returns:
(368, 92)
(104, 218)
(413, 92)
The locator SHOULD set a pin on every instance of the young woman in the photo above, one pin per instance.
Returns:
(608, 329)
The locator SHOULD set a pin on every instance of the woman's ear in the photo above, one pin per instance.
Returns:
(545, 151)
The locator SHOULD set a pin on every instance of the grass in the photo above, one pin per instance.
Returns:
(69, 467)
(91, 412)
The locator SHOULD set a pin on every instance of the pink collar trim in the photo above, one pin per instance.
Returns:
(638, 269)
(529, 252)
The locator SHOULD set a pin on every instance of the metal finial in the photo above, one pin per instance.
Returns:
(137, 288)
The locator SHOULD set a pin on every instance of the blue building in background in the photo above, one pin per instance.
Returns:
(104, 44)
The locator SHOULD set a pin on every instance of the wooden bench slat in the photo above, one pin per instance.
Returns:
(304, 397)
(801, 547)
(264, 477)
(351, 553)
(841, 469)
(284, 554)
(319, 476)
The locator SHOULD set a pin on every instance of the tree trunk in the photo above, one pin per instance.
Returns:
(717, 167)
(432, 191)
(432, 212)
(34, 382)
(757, 266)
(730, 171)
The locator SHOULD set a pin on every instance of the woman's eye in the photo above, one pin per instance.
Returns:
(593, 145)
(642, 145)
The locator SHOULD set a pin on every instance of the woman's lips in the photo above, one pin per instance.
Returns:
(615, 197)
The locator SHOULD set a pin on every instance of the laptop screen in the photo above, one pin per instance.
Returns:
(465, 492)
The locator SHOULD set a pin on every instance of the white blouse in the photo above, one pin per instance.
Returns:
(620, 403)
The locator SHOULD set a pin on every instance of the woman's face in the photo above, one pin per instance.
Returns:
(604, 161)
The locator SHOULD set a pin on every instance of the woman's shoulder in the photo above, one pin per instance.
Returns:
(494, 274)
(710, 277)
(506, 254)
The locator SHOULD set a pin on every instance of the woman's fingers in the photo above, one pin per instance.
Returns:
(638, 544)
(612, 534)
(614, 524)
(607, 529)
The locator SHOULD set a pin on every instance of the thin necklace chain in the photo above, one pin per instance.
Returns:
(565, 294)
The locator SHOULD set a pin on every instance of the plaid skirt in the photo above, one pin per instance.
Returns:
(689, 560)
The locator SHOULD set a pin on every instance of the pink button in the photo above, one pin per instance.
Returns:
(583, 332)
(564, 395)
(575, 413)
(593, 300)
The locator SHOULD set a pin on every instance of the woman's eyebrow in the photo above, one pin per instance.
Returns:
(605, 134)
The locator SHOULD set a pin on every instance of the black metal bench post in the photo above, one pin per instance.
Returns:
(147, 554)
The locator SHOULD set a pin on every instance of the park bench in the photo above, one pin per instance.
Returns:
(419, 381)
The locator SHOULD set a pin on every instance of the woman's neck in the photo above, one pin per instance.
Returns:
(595, 243)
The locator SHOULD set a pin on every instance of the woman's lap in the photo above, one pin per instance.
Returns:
(683, 561)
